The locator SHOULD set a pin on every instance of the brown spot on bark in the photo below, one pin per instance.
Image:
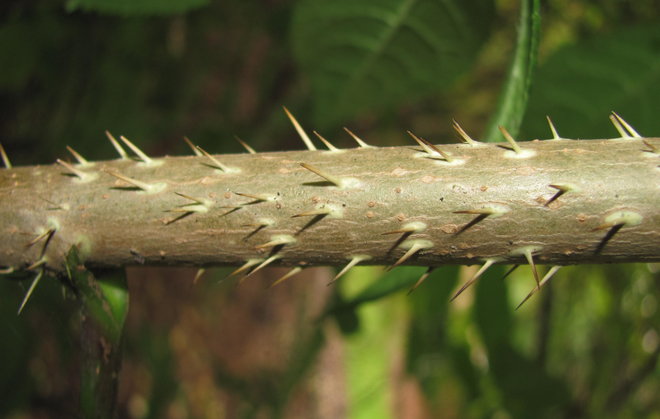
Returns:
(398, 172)
(449, 228)
(581, 217)
(400, 217)
(227, 195)
(370, 214)
(483, 188)
(397, 190)
(371, 204)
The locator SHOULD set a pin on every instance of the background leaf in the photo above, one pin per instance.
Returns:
(374, 54)
(135, 7)
(581, 84)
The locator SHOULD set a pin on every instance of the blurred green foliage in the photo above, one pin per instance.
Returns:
(587, 346)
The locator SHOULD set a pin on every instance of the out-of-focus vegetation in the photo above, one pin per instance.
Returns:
(154, 71)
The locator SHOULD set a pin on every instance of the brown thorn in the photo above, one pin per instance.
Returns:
(652, 148)
(260, 198)
(354, 261)
(326, 142)
(81, 160)
(45, 234)
(421, 279)
(29, 292)
(334, 180)
(215, 161)
(530, 259)
(192, 147)
(245, 145)
(76, 172)
(316, 212)
(461, 132)
(261, 266)
(357, 139)
(247, 265)
(299, 129)
(138, 184)
(37, 264)
(120, 150)
(509, 272)
(5, 158)
(630, 131)
(514, 145)
(475, 277)
(286, 276)
(430, 149)
(544, 281)
(555, 135)
(610, 233)
(141, 154)
(414, 248)
(561, 189)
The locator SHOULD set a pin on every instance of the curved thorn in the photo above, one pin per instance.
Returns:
(5, 158)
(461, 132)
(629, 129)
(510, 140)
(545, 280)
(192, 146)
(7, 270)
(421, 279)
(29, 292)
(215, 161)
(332, 179)
(141, 155)
(475, 277)
(354, 261)
(299, 129)
(357, 139)
(120, 150)
(326, 142)
(555, 135)
(286, 276)
(245, 145)
(81, 160)
(561, 189)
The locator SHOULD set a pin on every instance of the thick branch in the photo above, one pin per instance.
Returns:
(566, 201)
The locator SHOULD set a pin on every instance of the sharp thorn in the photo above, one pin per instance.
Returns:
(320, 211)
(75, 171)
(555, 135)
(510, 140)
(544, 281)
(81, 160)
(45, 234)
(475, 277)
(510, 271)
(261, 266)
(414, 246)
(245, 145)
(286, 276)
(530, 259)
(430, 149)
(215, 161)
(421, 279)
(464, 136)
(299, 129)
(326, 142)
(354, 261)
(199, 201)
(141, 155)
(357, 139)
(258, 197)
(29, 292)
(332, 179)
(192, 146)
(5, 158)
(138, 184)
(120, 150)
(200, 272)
(277, 240)
(561, 189)
(630, 131)
(37, 264)
(412, 227)
(7, 270)
(247, 265)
